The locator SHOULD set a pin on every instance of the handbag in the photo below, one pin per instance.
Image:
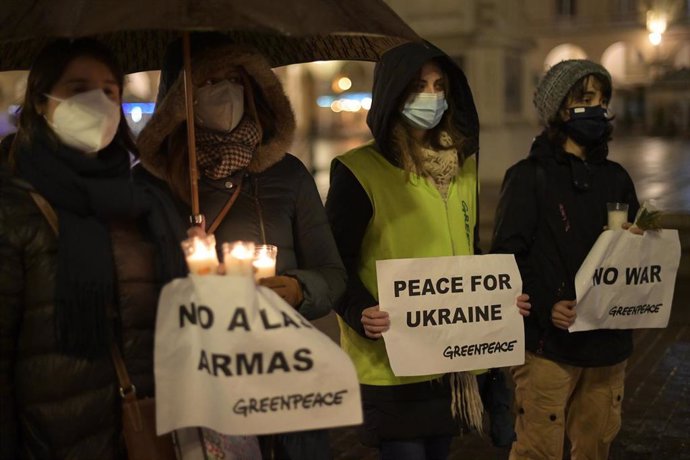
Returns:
(139, 419)
(138, 415)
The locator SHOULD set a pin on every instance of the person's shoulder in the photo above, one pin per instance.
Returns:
(525, 166)
(616, 169)
(615, 166)
(18, 211)
(367, 148)
(290, 165)
(142, 175)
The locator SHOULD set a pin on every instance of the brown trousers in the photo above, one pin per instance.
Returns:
(554, 399)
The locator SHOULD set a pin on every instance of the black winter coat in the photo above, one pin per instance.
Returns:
(54, 406)
(551, 211)
(281, 206)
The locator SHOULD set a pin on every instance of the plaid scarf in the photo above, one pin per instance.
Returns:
(222, 154)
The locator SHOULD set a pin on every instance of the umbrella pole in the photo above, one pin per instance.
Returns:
(196, 218)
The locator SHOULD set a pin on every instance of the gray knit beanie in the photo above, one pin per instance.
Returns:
(556, 84)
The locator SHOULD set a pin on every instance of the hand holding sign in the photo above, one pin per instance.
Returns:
(524, 307)
(563, 314)
(375, 322)
(287, 287)
(450, 314)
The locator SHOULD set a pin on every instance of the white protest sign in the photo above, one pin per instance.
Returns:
(236, 358)
(627, 281)
(451, 313)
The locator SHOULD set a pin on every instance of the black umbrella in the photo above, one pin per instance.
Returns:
(286, 31)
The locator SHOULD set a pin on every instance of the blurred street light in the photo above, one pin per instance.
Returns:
(656, 25)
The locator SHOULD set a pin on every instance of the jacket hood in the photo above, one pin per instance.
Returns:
(543, 148)
(170, 110)
(543, 151)
(392, 75)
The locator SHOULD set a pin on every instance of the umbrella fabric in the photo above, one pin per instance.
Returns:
(286, 32)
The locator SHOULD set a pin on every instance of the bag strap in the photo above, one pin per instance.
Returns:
(47, 211)
(127, 389)
(223, 212)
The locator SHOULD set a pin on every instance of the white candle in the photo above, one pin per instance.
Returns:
(237, 258)
(617, 219)
(265, 261)
(201, 255)
(617, 215)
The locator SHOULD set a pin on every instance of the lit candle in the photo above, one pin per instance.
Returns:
(201, 255)
(617, 215)
(265, 261)
(237, 258)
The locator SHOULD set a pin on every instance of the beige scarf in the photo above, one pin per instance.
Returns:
(466, 404)
(441, 166)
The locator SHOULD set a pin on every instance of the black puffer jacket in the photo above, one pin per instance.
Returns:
(279, 203)
(54, 406)
(551, 211)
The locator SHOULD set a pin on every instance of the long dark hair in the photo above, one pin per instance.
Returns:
(46, 71)
(555, 129)
(406, 147)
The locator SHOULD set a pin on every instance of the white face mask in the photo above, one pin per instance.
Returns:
(425, 110)
(87, 121)
(220, 106)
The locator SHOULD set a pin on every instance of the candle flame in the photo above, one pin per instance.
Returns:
(241, 250)
(202, 249)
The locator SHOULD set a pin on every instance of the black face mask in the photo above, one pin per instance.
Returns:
(588, 126)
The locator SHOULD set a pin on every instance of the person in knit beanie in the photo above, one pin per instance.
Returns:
(551, 211)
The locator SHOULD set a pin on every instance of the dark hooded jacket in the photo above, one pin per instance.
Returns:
(278, 202)
(53, 405)
(348, 206)
(551, 211)
(413, 410)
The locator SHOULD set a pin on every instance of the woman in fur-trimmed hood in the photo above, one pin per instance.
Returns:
(244, 126)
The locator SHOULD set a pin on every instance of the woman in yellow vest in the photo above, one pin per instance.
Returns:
(411, 192)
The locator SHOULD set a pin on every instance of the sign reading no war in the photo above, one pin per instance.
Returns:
(451, 313)
(237, 359)
(627, 281)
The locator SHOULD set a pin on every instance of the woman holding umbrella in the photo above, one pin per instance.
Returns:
(244, 126)
(69, 292)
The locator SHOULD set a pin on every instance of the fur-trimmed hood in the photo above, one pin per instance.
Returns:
(170, 110)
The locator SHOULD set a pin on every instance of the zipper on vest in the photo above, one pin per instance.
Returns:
(450, 230)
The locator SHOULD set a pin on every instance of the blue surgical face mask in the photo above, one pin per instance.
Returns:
(425, 110)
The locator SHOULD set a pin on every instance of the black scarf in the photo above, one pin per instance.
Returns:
(87, 193)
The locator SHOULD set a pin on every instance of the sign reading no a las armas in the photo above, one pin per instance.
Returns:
(451, 314)
(237, 359)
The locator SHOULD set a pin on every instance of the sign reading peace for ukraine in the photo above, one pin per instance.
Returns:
(451, 314)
